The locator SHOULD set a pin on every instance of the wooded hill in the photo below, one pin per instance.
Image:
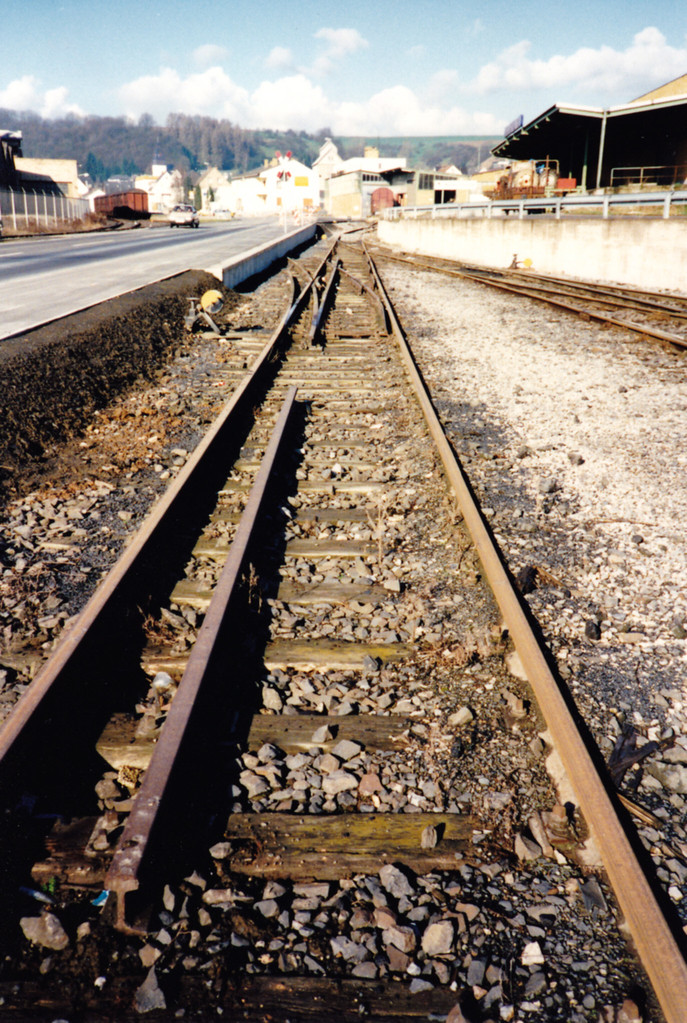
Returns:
(107, 146)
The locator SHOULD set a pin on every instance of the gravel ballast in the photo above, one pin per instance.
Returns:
(573, 437)
(543, 929)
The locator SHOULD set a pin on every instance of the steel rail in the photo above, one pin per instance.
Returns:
(656, 944)
(324, 304)
(635, 296)
(127, 866)
(67, 669)
(660, 335)
(588, 292)
(483, 276)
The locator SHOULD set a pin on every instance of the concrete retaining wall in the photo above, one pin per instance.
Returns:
(254, 261)
(644, 251)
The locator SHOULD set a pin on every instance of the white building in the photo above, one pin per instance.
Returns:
(165, 189)
(285, 186)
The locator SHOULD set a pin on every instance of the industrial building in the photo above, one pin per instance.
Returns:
(639, 144)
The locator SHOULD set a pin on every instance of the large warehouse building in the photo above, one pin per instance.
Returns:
(642, 143)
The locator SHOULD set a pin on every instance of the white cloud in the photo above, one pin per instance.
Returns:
(613, 74)
(210, 92)
(55, 104)
(21, 94)
(299, 103)
(341, 43)
(26, 93)
(398, 111)
(209, 54)
(293, 102)
(280, 59)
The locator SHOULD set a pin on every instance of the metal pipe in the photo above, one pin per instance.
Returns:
(602, 143)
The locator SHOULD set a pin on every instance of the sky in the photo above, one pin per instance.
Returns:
(426, 67)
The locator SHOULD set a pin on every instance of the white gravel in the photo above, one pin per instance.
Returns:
(573, 437)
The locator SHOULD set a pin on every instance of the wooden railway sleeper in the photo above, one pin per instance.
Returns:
(135, 845)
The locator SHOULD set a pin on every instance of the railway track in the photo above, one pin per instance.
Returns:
(645, 312)
(292, 661)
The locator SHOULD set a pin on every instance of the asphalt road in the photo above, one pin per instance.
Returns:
(47, 277)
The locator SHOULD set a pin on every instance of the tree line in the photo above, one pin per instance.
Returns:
(108, 146)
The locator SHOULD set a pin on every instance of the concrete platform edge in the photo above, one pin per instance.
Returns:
(254, 261)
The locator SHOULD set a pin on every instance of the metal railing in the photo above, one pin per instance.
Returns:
(605, 204)
(23, 210)
(668, 176)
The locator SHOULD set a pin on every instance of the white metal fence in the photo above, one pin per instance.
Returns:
(604, 205)
(22, 210)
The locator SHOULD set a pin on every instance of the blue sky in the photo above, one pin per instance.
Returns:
(357, 67)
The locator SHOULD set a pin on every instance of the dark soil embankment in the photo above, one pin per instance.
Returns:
(54, 378)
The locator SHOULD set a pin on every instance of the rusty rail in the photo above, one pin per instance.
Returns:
(656, 944)
(127, 864)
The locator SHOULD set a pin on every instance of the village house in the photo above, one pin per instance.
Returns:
(284, 185)
(165, 188)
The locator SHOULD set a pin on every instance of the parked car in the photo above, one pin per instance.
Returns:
(183, 216)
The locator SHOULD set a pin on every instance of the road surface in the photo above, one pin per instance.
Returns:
(47, 277)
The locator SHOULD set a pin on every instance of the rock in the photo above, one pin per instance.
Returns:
(476, 971)
(398, 961)
(592, 630)
(365, 971)
(438, 938)
(592, 896)
(274, 890)
(456, 1015)
(535, 985)
(671, 776)
(461, 717)
(321, 735)
(149, 995)
(349, 950)
(369, 783)
(339, 781)
(394, 881)
(45, 930)
(346, 749)
(384, 917)
(371, 663)
(532, 954)
(271, 699)
(268, 908)
(254, 784)
(220, 850)
(328, 763)
(526, 848)
(629, 1012)
(268, 752)
(429, 837)
(417, 985)
(514, 665)
(149, 955)
(402, 938)
(538, 832)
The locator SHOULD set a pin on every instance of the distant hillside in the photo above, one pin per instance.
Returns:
(466, 152)
(106, 146)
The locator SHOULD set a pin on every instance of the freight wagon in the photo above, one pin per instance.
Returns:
(131, 205)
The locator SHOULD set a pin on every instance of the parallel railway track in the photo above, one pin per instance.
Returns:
(643, 312)
(258, 680)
